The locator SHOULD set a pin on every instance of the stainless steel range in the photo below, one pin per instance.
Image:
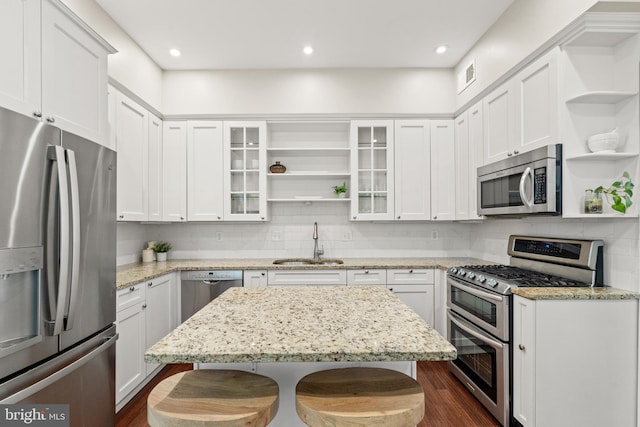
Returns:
(480, 316)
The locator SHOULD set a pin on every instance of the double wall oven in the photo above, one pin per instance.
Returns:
(479, 309)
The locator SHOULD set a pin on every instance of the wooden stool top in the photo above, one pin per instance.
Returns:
(352, 397)
(213, 398)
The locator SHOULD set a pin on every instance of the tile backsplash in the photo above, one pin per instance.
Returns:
(289, 234)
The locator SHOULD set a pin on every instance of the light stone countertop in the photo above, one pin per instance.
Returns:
(131, 274)
(303, 324)
(597, 293)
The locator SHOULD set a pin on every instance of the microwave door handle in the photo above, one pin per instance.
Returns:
(75, 243)
(56, 153)
(528, 172)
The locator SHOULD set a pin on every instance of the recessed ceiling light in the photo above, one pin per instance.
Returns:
(308, 50)
(441, 49)
(174, 52)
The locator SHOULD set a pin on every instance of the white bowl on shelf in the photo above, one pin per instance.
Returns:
(604, 142)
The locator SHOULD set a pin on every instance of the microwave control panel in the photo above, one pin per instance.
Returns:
(540, 186)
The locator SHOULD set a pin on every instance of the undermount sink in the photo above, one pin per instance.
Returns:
(307, 261)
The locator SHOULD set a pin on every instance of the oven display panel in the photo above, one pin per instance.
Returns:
(556, 249)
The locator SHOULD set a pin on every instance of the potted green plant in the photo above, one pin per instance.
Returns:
(161, 249)
(341, 190)
(618, 195)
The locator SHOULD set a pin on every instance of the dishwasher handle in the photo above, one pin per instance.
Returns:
(212, 282)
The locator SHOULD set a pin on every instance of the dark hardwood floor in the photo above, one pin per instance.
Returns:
(447, 402)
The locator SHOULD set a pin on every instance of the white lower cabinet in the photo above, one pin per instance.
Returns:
(367, 277)
(573, 362)
(254, 278)
(416, 288)
(306, 277)
(145, 313)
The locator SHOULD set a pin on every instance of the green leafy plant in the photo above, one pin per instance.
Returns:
(619, 194)
(339, 189)
(162, 247)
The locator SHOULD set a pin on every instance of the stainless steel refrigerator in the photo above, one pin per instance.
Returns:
(57, 270)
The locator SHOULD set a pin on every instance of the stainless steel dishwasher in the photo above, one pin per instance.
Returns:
(201, 287)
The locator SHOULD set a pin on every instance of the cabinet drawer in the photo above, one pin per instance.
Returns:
(306, 277)
(129, 296)
(367, 277)
(410, 276)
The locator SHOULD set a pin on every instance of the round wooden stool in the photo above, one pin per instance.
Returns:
(213, 398)
(359, 397)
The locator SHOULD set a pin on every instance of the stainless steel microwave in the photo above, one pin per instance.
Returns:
(524, 184)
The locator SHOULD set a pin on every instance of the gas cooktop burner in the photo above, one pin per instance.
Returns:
(501, 278)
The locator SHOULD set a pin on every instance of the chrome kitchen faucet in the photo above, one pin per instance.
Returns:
(316, 252)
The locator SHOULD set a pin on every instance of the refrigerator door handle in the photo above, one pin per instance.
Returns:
(36, 387)
(57, 154)
(75, 243)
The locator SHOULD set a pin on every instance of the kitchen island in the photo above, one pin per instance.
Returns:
(288, 332)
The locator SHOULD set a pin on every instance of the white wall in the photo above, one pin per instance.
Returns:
(294, 223)
(130, 66)
(525, 26)
(317, 91)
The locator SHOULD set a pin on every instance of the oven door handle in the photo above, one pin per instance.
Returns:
(479, 294)
(461, 323)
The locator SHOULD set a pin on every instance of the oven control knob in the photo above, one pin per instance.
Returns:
(481, 278)
(453, 270)
(461, 272)
(470, 275)
(492, 282)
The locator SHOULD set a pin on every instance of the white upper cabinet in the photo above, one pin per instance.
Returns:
(245, 171)
(522, 114)
(412, 170)
(499, 123)
(174, 171)
(476, 153)
(54, 67)
(132, 133)
(20, 88)
(205, 189)
(443, 172)
(463, 166)
(155, 168)
(536, 98)
(468, 156)
(372, 189)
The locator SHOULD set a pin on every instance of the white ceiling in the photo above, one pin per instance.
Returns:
(249, 34)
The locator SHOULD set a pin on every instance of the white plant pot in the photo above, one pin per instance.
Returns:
(161, 256)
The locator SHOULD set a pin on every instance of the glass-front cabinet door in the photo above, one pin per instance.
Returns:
(372, 170)
(244, 167)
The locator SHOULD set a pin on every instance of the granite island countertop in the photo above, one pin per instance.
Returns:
(303, 324)
(130, 274)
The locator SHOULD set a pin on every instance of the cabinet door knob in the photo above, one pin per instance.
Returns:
(410, 271)
(37, 113)
(366, 272)
(219, 218)
(121, 216)
(263, 274)
(144, 305)
(262, 218)
(398, 216)
(521, 347)
(509, 154)
(150, 284)
(181, 218)
(516, 152)
(133, 288)
(391, 289)
(51, 119)
(435, 217)
(355, 217)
